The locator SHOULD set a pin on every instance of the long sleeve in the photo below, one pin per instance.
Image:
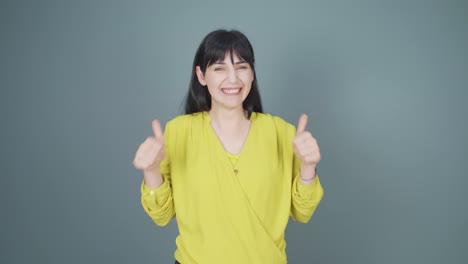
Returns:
(158, 202)
(305, 198)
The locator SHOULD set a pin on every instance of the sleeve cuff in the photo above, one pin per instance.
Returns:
(306, 191)
(155, 196)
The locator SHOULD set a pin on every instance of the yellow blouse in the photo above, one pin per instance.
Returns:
(233, 158)
(225, 213)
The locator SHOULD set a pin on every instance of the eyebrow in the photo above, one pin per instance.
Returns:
(223, 63)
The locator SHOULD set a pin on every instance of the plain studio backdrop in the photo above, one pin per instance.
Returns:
(384, 84)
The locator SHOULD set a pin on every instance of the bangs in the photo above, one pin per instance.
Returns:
(219, 45)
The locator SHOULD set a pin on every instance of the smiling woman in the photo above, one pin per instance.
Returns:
(224, 59)
(229, 81)
(230, 174)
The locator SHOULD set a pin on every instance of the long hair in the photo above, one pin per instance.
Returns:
(213, 48)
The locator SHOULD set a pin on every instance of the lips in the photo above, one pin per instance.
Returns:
(231, 91)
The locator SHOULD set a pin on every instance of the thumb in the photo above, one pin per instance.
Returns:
(302, 124)
(157, 129)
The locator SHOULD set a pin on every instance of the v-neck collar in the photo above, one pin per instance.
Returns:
(220, 147)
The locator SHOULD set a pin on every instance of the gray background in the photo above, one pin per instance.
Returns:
(384, 84)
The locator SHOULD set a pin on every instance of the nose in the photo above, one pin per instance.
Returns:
(232, 75)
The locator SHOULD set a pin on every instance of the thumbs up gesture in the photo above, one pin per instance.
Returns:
(305, 145)
(151, 152)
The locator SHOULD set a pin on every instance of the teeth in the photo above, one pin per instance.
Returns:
(231, 91)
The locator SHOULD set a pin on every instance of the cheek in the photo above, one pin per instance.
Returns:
(213, 81)
(247, 78)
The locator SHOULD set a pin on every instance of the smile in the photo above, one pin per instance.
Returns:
(231, 91)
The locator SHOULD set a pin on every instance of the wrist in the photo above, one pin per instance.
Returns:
(306, 180)
(153, 178)
(308, 172)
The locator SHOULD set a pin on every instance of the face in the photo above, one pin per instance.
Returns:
(228, 83)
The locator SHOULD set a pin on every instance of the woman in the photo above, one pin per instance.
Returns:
(230, 174)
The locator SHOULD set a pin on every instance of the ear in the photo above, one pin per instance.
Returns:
(200, 76)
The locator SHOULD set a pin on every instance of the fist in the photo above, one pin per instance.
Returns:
(305, 145)
(151, 152)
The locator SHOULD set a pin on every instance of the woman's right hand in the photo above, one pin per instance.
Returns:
(151, 152)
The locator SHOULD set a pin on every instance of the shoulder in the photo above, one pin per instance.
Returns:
(277, 121)
(179, 129)
(183, 121)
(271, 121)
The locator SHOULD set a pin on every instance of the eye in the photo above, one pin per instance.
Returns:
(242, 67)
(218, 69)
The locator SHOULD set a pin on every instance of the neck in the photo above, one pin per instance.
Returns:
(228, 118)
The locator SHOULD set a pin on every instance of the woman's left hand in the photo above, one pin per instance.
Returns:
(306, 147)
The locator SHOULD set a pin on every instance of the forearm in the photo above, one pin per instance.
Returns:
(158, 201)
(305, 199)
